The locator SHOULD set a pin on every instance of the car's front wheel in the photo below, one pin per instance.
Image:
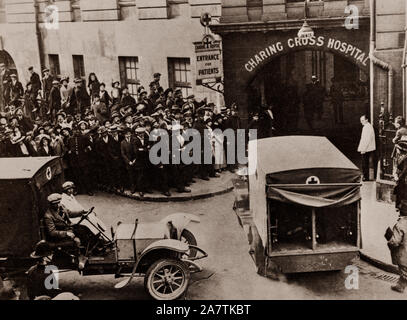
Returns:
(189, 238)
(167, 279)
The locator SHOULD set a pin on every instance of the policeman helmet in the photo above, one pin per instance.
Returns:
(68, 185)
(54, 198)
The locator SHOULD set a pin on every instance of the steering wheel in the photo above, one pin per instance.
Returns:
(84, 216)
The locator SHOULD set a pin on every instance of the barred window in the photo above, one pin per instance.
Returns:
(129, 67)
(54, 65)
(78, 66)
(179, 75)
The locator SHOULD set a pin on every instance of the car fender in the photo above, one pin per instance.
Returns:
(166, 244)
(180, 221)
(169, 244)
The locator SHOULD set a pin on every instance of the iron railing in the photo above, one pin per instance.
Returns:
(387, 132)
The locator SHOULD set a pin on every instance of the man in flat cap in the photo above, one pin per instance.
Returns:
(157, 78)
(47, 80)
(35, 81)
(54, 101)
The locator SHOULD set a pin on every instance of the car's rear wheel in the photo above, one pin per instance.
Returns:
(167, 279)
(189, 238)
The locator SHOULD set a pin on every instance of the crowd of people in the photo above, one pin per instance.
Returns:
(102, 137)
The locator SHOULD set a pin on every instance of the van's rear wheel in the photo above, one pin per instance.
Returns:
(167, 279)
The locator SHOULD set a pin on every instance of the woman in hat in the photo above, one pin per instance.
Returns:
(57, 144)
(32, 144)
(19, 148)
(104, 96)
(45, 149)
(116, 93)
(66, 92)
(93, 85)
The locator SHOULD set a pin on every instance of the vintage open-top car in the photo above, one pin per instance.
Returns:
(152, 250)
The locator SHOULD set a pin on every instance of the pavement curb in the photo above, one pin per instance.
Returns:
(185, 198)
(379, 264)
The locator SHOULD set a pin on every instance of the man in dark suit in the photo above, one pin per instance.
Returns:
(16, 91)
(127, 99)
(79, 99)
(128, 153)
(47, 80)
(199, 126)
(140, 165)
(54, 101)
(57, 224)
(79, 147)
(104, 162)
(117, 166)
(35, 81)
(58, 227)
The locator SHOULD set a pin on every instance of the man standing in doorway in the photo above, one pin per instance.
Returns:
(367, 147)
(337, 100)
(4, 84)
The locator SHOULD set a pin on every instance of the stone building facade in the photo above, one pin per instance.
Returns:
(263, 55)
(126, 40)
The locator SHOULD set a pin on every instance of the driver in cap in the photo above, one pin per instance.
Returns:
(69, 203)
(58, 227)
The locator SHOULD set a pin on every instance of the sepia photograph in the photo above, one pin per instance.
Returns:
(203, 150)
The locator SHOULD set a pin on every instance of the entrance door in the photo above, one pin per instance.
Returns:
(7, 67)
(331, 108)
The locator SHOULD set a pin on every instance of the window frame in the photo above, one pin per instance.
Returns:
(75, 59)
(131, 83)
(185, 86)
(54, 64)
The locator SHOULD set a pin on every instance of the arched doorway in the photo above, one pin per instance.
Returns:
(7, 67)
(8, 61)
(283, 84)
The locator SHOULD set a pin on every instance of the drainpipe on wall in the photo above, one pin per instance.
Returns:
(404, 66)
(374, 61)
(38, 35)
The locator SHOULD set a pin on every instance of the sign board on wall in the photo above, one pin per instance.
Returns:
(351, 51)
(208, 60)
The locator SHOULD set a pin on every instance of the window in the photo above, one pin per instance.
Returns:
(78, 66)
(129, 74)
(2, 11)
(54, 64)
(179, 75)
(254, 3)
